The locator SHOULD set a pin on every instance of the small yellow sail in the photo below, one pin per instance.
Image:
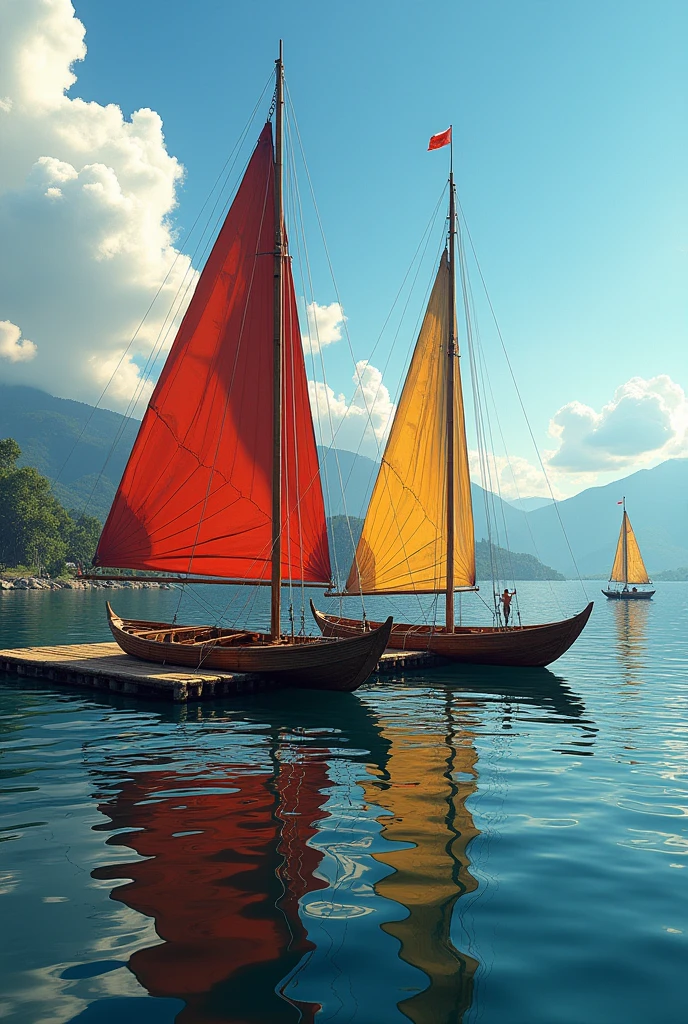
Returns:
(403, 546)
(635, 571)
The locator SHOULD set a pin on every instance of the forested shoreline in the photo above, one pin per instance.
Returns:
(39, 536)
(37, 533)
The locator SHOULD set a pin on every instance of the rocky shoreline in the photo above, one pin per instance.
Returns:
(45, 583)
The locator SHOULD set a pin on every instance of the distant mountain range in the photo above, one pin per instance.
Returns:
(83, 450)
(529, 504)
(657, 503)
(357, 474)
(344, 532)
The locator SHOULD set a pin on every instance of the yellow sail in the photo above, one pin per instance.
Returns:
(403, 546)
(634, 570)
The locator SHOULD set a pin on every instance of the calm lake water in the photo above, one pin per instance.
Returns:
(467, 845)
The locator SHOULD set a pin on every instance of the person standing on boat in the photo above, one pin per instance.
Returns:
(506, 601)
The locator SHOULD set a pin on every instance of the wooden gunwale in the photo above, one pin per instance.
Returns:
(320, 662)
(518, 646)
(192, 630)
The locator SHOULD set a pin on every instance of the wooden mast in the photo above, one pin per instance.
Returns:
(276, 575)
(624, 542)
(451, 353)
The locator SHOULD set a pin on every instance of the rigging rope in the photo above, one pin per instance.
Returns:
(486, 450)
(520, 399)
(225, 172)
(334, 432)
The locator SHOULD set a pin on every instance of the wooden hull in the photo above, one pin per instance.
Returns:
(629, 595)
(311, 662)
(517, 646)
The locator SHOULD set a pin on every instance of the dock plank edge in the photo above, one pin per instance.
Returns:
(105, 667)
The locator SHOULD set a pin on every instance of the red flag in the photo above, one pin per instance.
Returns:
(619, 503)
(443, 139)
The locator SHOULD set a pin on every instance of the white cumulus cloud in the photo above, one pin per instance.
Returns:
(324, 326)
(360, 423)
(511, 477)
(85, 201)
(12, 346)
(645, 421)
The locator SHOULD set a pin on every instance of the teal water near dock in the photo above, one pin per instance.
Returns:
(464, 845)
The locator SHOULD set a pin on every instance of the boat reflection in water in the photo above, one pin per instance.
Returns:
(297, 868)
(430, 775)
(630, 622)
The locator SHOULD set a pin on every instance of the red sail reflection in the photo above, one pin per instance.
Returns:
(225, 874)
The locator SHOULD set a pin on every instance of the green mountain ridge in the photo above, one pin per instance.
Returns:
(83, 451)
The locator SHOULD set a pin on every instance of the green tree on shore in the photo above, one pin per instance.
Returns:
(34, 527)
(82, 538)
(9, 454)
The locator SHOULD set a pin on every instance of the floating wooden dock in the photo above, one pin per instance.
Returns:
(104, 666)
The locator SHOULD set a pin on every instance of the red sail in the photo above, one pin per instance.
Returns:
(195, 496)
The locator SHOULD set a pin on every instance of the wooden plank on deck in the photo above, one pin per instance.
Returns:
(104, 666)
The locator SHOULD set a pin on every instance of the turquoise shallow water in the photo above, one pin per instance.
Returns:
(471, 845)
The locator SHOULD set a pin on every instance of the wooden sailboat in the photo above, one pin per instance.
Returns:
(628, 569)
(223, 481)
(418, 535)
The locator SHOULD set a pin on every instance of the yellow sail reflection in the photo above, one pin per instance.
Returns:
(403, 546)
(432, 772)
(630, 620)
(631, 568)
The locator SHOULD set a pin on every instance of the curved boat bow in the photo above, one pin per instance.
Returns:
(305, 661)
(516, 646)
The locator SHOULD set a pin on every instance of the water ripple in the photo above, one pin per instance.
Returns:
(458, 847)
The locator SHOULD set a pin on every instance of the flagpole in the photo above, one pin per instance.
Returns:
(451, 350)
(624, 534)
(438, 142)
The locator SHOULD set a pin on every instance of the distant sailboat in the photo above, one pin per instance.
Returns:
(418, 535)
(628, 569)
(223, 483)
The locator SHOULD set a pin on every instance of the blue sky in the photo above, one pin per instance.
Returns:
(571, 164)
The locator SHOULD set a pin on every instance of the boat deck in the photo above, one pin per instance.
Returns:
(104, 666)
